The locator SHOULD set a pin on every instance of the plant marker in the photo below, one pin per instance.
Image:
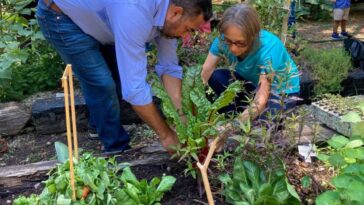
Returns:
(67, 83)
(203, 169)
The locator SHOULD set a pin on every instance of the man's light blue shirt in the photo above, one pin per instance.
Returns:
(268, 56)
(128, 24)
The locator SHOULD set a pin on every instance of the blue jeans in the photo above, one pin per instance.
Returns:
(222, 78)
(89, 66)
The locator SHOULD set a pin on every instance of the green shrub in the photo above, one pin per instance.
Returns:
(328, 68)
(28, 64)
(271, 14)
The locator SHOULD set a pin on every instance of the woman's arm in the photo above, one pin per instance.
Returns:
(209, 66)
(260, 100)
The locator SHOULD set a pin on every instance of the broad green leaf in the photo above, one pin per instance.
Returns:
(265, 189)
(249, 192)
(61, 152)
(338, 141)
(343, 180)
(239, 173)
(354, 144)
(355, 191)
(358, 129)
(225, 179)
(336, 160)
(227, 96)
(61, 200)
(265, 200)
(128, 176)
(292, 191)
(253, 173)
(306, 181)
(132, 192)
(329, 198)
(351, 117)
(354, 153)
(357, 169)
(323, 157)
(166, 183)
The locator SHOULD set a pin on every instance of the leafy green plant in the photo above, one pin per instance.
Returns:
(348, 187)
(250, 185)
(271, 14)
(31, 200)
(342, 151)
(328, 67)
(28, 64)
(140, 192)
(201, 114)
(97, 182)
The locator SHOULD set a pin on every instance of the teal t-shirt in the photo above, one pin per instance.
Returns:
(268, 56)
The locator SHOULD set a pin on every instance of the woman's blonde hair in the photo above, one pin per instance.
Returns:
(245, 18)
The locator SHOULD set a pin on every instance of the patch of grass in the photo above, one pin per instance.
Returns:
(328, 67)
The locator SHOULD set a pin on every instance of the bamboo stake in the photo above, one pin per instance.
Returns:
(203, 169)
(65, 84)
(73, 111)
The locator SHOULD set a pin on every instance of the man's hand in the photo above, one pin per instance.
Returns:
(151, 116)
(169, 141)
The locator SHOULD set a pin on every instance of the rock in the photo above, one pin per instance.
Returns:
(48, 115)
(13, 117)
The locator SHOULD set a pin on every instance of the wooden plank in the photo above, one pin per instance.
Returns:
(16, 176)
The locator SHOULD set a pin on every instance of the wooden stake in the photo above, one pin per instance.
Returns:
(203, 169)
(66, 82)
(73, 112)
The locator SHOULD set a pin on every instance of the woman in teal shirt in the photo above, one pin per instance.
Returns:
(259, 59)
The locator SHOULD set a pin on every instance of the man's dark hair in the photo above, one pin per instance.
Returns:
(195, 7)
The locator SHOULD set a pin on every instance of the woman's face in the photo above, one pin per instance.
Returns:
(236, 40)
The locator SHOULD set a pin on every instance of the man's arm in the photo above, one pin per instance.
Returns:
(151, 116)
(130, 36)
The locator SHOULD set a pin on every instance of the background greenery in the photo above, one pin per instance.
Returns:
(28, 64)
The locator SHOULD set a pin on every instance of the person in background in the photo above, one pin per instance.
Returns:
(78, 29)
(341, 16)
(258, 58)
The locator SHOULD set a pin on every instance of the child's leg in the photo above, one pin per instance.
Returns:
(336, 26)
(338, 17)
(345, 19)
(343, 26)
(337, 14)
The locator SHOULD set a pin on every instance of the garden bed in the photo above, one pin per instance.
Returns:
(184, 192)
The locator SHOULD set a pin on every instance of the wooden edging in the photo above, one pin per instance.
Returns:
(16, 176)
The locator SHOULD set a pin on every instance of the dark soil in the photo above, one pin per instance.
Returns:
(31, 147)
